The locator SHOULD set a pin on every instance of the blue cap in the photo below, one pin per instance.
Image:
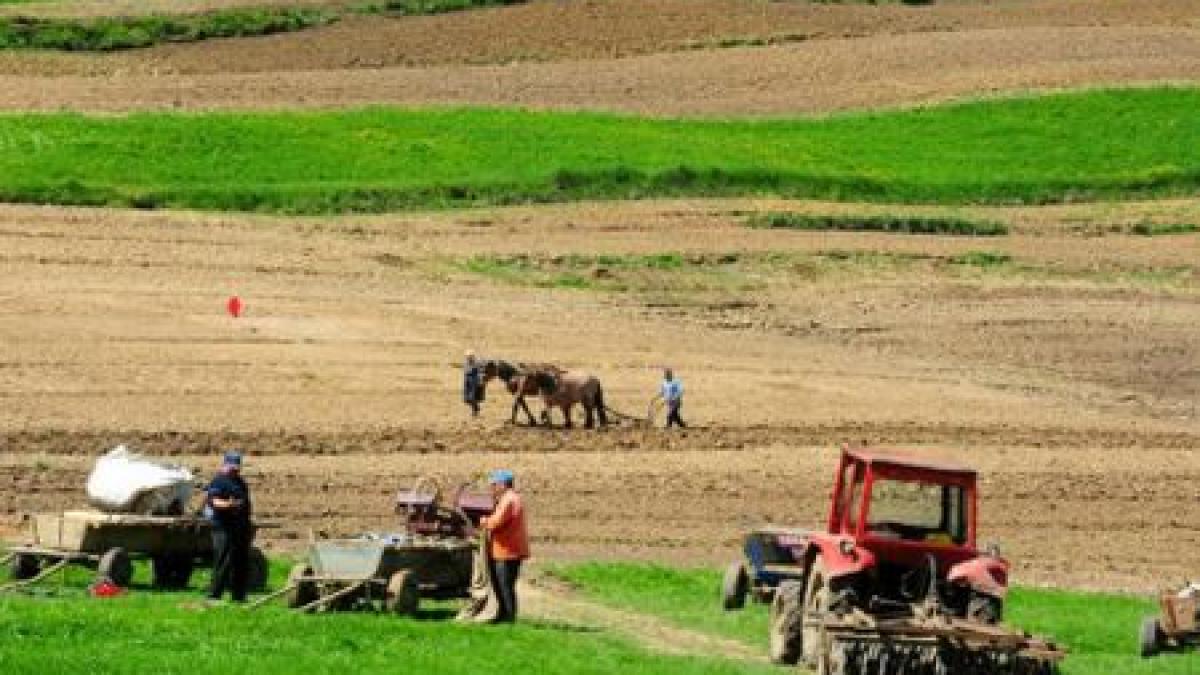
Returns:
(501, 477)
(233, 459)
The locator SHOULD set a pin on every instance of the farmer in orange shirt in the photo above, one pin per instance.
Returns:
(510, 541)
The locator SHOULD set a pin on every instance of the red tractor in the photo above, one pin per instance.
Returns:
(896, 583)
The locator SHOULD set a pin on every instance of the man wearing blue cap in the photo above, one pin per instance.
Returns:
(509, 541)
(228, 507)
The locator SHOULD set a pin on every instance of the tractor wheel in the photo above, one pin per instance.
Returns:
(172, 572)
(734, 587)
(302, 592)
(818, 598)
(787, 623)
(985, 609)
(1151, 636)
(259, 569)
(115, 566)
(403, 597)
(24, 566)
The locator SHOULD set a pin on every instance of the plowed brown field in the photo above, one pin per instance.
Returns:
(1068, 377)
(648, 57)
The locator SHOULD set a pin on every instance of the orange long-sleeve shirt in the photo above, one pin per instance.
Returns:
(510, 538)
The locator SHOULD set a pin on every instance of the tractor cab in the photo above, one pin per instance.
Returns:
(904, 509)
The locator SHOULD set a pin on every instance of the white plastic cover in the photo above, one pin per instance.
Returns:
(125, 482)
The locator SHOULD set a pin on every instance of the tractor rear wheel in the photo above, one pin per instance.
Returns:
(1151, 636)
(734, 587)
(787, 623)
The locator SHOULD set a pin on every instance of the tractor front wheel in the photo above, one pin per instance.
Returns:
(734, 587)
(787, 623)
(1151, 637)
(985, 609)
(818, 599)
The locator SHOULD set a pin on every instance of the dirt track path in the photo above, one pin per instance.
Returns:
(551, 602)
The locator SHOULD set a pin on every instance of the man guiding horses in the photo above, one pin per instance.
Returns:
(671, 393)
(472, 382)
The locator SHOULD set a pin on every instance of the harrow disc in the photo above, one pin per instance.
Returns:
(852, 656)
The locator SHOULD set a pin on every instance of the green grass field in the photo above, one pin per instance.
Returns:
(1103, 144)
(1099, 630)
(61, 630)
(58, 629)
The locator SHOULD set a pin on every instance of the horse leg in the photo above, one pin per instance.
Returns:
(528, 412)
(589, 420)
(567, 414)
(600, 406)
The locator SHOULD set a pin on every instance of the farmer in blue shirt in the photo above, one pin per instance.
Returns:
(227, 505)
(671, 393)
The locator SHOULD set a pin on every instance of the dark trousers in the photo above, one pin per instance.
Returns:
(506, 573)
(673, 417)
(231, 562)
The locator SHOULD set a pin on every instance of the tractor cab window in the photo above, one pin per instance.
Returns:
(915, 511)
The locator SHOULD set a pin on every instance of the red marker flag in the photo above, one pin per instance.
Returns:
(234, 306)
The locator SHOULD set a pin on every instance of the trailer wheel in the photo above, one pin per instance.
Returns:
(1151, 637)
(403, 596)
(303, 592)
(787, 624)
(173, 571)
(734, 587)
(115, 566)
(259, 570)
(24, 566)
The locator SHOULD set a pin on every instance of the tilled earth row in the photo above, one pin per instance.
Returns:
(1079, 514)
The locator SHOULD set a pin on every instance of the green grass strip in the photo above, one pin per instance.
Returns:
(113, 33)
(1099, 629)
(1069, 147)
(59, 629)
(426, 7)
(1159, 229)
(886, 223)
(132, 32)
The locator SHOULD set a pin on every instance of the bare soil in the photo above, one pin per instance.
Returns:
(1069, 377)
(660, 58)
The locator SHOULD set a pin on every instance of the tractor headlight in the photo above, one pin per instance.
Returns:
(846, 546)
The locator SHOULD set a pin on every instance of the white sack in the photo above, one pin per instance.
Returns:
(125, 482)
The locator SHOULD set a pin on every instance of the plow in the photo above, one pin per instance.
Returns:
(895, 585)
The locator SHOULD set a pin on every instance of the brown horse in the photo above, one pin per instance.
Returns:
(570, 388)
(521, 380)
(558, 388)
